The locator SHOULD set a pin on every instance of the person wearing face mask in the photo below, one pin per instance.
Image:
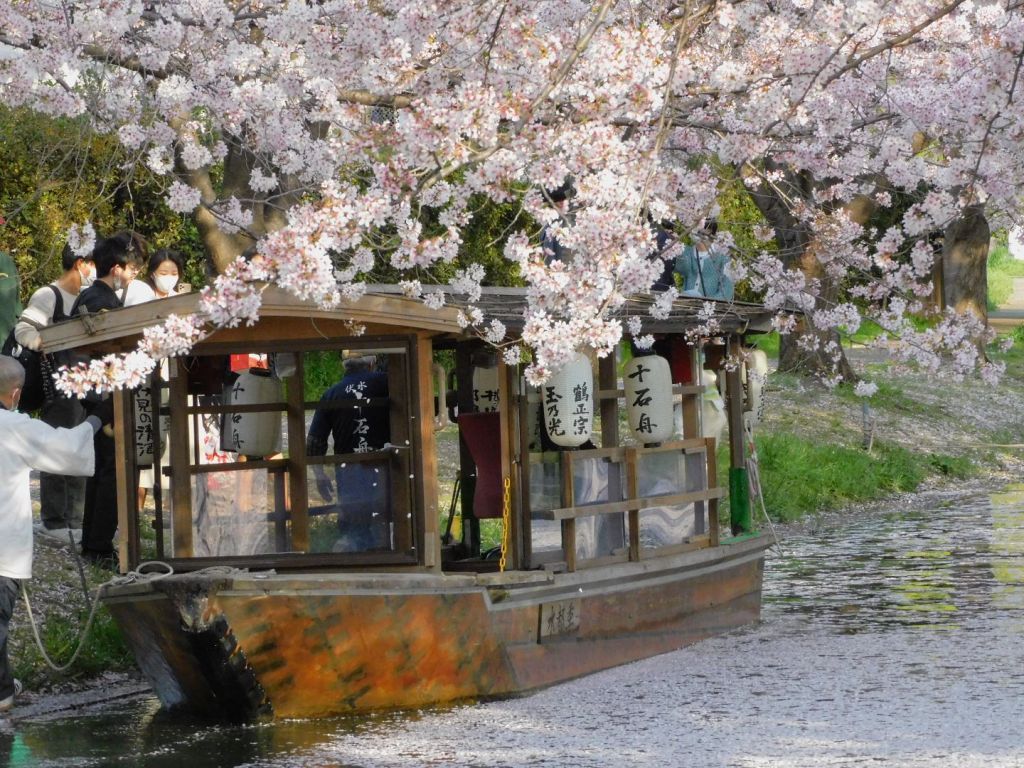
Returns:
(165, 270)
(62, 497)
(162, 278)
(28, 444)
(118, 259)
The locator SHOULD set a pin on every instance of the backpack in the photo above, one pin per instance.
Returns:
(38, 388)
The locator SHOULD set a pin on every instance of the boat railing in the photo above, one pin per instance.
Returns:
(668, 493)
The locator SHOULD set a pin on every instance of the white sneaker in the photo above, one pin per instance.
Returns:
(6, 704)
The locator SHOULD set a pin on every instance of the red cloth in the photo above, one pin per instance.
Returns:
(482, 431)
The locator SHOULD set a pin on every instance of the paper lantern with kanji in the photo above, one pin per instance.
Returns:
(647, 382)
(568, 402)
(485, 389)
(253, 434)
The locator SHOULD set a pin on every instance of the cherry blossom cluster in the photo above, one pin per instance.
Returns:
(372, 125)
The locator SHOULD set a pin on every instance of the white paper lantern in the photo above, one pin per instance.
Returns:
(568, 402)
(756, 375)
(254, 434)
(647, 382)
(485, 389)
(713, 418)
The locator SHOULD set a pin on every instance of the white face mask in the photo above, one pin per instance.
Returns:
(88, 277)
(165, 283)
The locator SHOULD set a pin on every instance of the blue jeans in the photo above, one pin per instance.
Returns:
(8, 597)
(364, 503)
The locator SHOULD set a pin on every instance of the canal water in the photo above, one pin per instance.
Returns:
(896, 639)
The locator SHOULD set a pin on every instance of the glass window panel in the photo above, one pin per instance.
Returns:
(663, 474)
(239, 513)
(596, 481)
(545, 495)
(351, 506)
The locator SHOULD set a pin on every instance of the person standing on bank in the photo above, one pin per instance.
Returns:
(163, 276)
(118, 259)
(29, 444)
(62, 497)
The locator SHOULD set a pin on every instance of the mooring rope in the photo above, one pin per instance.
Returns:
(132, 577)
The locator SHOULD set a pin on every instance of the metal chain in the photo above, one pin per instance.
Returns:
(506, 514)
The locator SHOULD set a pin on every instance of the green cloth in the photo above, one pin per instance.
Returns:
(10, 305)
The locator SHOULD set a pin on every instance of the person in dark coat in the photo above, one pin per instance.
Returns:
(118, 259)
(362, 488)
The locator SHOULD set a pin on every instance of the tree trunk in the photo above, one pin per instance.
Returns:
(965, 263)
(795, 246)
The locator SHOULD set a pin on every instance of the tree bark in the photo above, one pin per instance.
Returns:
(965, 263)
(796, 250)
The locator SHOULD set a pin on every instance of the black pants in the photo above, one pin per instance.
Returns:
(100, 520)
(8, 597)
(61, 497)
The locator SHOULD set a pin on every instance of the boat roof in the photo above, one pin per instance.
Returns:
(382, 310)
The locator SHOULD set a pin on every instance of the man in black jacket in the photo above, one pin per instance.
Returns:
(118, 259)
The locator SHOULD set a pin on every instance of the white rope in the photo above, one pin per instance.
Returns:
(754, 482)
(132, 577)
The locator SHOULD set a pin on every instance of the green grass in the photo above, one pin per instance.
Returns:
(1002, 269)
(105, 648)
(800, 477)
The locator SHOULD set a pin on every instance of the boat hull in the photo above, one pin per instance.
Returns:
(252, 645)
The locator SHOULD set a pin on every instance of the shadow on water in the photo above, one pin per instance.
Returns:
(954, 566)
(136, 732)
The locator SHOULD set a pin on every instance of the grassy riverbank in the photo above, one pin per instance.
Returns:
(921, 431)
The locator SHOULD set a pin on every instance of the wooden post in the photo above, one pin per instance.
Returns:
(297, 469)
(568, 500)
(608, 380)
(739, 489)
(124, 466)
(712, 504)
(522, 504)
(691, 403)
(424, 468)
(509, 428)
(181, 458)
(467, 469)
(632, 488)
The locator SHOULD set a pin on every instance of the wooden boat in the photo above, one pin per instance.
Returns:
(611, 552)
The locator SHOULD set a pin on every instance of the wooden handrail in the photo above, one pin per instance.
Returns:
(627, 505)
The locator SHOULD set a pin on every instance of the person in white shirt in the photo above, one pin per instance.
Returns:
(29, 444)
(61, 498)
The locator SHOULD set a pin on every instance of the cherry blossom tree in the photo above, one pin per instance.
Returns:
(322, 136)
